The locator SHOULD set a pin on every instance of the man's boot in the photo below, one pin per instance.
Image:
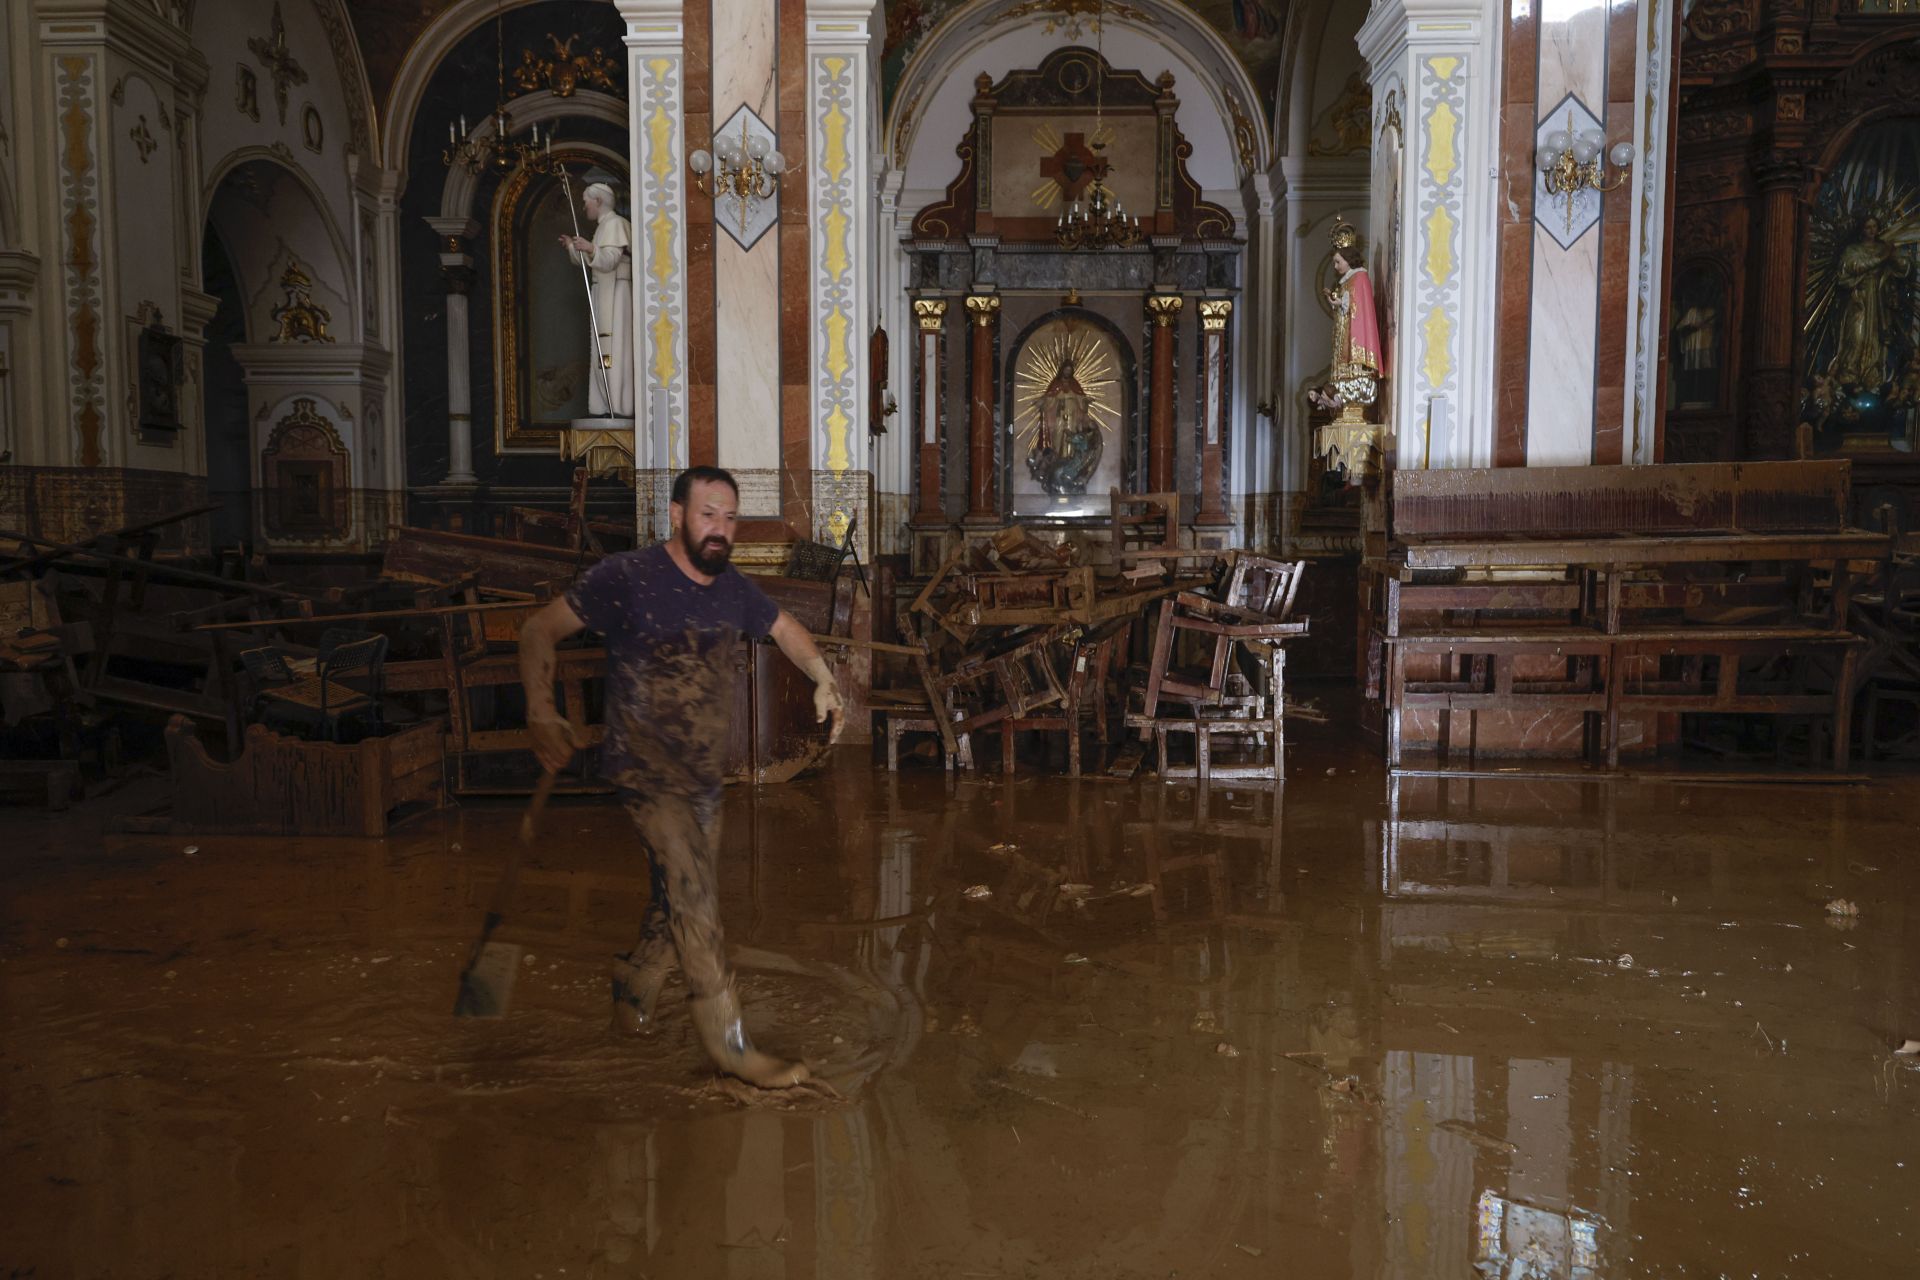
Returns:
(725, 1036)
(636, 990)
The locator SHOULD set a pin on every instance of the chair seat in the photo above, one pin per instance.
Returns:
(306, 693)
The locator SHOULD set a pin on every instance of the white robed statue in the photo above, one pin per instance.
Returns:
(610, 256)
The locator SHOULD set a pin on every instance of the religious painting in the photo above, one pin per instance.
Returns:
(544, 331)
(1065, 427)
(908, 23)
(1253, 30)
(1861, 384)
(1696, 339)
(158, 356)
(1042, 164)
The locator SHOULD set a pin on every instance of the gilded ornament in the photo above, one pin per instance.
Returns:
(300, 318)
(984, 308)
(566, 71)
(930, 313)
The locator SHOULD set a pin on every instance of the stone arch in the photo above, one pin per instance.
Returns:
(265, 211)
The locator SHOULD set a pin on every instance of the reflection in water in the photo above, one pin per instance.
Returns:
(1355, 1028)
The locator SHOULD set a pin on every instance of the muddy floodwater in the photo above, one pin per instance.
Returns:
(1357, 1027)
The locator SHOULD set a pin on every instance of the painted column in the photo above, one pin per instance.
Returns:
(1437, 59)
(842, 209)
(930, 319)
(1214, 402)
(1165, 310)
(456, 272)
(983, 505)
(656, 71)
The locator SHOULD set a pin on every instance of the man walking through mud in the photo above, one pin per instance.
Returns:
(670, 615)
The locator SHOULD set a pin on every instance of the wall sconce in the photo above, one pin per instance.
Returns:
(1570, 161)
(745, 170)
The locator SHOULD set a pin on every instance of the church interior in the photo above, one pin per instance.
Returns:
(1369, 595)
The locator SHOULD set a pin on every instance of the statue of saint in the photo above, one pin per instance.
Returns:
(1066, 442)
(610, 256)
(1359, 361)
(1869, 276)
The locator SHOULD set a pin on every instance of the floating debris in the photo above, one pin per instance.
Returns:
(1485, 1141)
(977, 892)
(1842, 907)
(1226, 1050)
(1624, 962)
(1205, 1022)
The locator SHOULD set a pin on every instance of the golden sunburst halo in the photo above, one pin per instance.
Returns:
(1093, 368)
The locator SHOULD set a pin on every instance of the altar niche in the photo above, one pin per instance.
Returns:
(1070, 416)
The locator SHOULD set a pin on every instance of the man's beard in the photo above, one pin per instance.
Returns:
(708, 557)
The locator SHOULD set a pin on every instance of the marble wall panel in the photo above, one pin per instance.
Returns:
(1561, 345)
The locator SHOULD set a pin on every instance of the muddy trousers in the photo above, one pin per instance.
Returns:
(681, 837)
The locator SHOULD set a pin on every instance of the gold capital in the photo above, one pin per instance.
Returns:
(931, 313)
(985, 309)
(1214, 313)
(1165, 308)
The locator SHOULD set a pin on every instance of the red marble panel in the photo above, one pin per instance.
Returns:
(703, 445)
(1521, 61)
(793, 65)
(1516, 163)
(698, 89)
(795, 363)
(1512, 341)
(796, 459)
(1623, 25)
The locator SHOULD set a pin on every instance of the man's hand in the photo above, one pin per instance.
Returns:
(826, 702)
(553, 742)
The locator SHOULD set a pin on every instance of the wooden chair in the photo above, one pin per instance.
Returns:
(909, 706)
(345, 682)
(1089, 661)
(1143, 523)
(1252, 607)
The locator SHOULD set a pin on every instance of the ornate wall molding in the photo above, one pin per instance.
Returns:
(76, 84)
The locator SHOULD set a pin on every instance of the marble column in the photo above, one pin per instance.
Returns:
(983, 506)
(1161, 455)
(930, 319)
(1214, 397)
(456, 270)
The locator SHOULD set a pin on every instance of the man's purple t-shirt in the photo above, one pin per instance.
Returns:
(670, 643)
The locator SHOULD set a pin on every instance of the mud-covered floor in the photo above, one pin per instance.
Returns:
(1509, 1028)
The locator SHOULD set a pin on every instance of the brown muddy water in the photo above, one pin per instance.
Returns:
(1506, 1028)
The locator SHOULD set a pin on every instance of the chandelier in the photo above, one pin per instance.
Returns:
(497, 151)
(745, 170)
(1102, 223)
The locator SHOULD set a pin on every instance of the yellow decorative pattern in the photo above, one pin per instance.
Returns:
(1439, 362)
(1444, 67)
(837, 257)
(837, 356)
(1439, 246)
(1443, 127)
(834, 297)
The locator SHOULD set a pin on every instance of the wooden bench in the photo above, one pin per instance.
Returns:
(1561, 588)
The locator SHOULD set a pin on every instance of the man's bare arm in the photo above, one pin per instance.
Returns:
(539, 636)
(805, 654)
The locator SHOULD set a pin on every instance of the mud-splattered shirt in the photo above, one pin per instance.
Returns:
(670, 643)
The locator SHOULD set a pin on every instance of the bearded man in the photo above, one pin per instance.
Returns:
(670, 615)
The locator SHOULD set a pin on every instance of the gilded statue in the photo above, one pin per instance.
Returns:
(1869, 277)
(1066, 445)
(1359, 360)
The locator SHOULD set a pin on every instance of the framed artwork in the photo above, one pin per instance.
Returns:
(158, 354)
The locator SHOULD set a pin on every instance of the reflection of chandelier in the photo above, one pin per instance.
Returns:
(1103, 222)
(497, 151)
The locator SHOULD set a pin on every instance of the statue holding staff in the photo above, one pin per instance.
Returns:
(609, 257)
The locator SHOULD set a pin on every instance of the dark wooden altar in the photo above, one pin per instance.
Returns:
(1776, 102)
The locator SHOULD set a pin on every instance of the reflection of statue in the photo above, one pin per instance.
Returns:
(1358, 360)
(1868, 271)
(1066, 442)
(610, 256)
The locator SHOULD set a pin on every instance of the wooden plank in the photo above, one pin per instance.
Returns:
(1631, 551)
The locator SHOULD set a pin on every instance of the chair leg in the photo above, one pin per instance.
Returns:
(893, 746)
(1006, 749)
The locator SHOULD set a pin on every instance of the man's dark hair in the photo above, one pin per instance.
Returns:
(684, 482)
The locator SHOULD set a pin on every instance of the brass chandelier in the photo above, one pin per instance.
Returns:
(497, 151)
(1103, 222)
